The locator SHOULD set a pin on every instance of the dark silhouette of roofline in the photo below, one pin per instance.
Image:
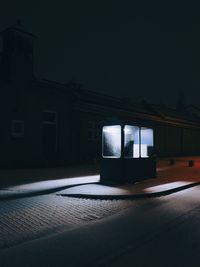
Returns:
(19, 30)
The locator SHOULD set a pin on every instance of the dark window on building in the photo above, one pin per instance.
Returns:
(50, 116)
(17, 128)
(93, 131)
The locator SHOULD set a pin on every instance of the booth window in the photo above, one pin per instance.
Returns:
(111, 141)
(131, 141)
(146, 142)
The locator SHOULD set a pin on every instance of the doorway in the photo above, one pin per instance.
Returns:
(49, 134)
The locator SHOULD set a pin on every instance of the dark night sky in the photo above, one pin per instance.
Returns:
(114, 47)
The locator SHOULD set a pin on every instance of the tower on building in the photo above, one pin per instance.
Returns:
(17, 54)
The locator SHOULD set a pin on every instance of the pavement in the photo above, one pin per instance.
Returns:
(172, 176)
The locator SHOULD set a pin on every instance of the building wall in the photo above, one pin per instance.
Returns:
(177, 141)
(89, 134)
(78, 140)
(191, 142)
(28, 106)
(168, 140)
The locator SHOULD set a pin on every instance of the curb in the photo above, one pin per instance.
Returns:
(133, 196)
(101, 197)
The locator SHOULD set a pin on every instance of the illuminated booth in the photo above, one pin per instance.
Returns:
(127, 153)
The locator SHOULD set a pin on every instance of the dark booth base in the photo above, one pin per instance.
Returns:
(127, 170)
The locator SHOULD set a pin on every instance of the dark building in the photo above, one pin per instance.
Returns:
(36, 115)
(45, 123)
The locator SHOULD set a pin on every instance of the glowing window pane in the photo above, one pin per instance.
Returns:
(131, 141)
(111, 141)
(146, 142)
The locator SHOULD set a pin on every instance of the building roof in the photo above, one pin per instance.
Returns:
(18, 27)
(90, 101)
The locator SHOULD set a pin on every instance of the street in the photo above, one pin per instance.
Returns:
(50, 230)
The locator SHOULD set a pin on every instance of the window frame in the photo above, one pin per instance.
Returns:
(120, 138)
(14, 133)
